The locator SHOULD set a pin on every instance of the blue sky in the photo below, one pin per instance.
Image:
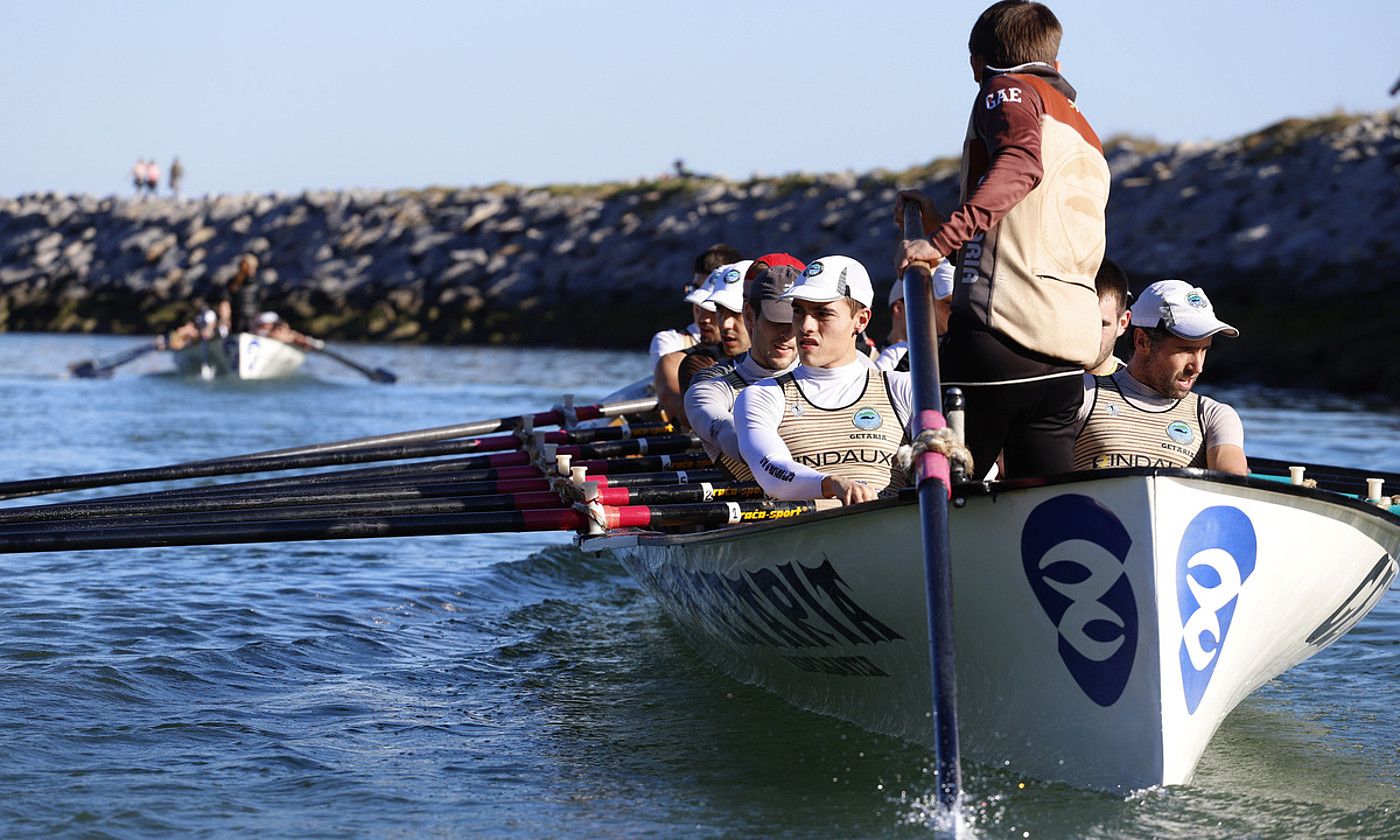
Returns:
(283, 96)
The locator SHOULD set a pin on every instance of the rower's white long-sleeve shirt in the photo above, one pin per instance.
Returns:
(892, 355)
(709, 406)
(760, 408)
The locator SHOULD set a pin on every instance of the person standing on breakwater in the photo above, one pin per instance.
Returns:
(138, 177)
(1146, 415)
(152, 177)
(177, 174)
(671, 341)
(832, 427)
(709, 401)
(1029, 237)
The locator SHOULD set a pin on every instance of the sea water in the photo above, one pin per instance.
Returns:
(509, 685)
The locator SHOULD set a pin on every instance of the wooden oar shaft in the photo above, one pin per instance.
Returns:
(934, 488)
(102, 367)
(230, 512)
(219, 496)
(374, 527)
(566, 519)
(544, 419)
(155, 504)
(671, 443)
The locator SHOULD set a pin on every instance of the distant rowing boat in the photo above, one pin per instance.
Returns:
(245, 356)
(1106, 623)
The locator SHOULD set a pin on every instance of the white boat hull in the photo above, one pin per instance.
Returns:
(1104, 626)
(245, 356)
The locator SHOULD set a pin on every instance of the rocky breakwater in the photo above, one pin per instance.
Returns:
(1292, 229)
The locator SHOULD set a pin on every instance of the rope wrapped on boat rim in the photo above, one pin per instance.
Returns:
(944, 441)
(569, 492)
(596, 516)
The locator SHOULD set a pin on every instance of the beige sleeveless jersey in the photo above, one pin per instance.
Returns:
(857, 441)
(1119, 434)
(735, 466)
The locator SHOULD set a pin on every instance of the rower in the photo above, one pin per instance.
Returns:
(668, 381)
(1111, 283)
(893, 356)
(1146, 415)
(709, 401)
(831, 427)
(669, 341)
(703, 356)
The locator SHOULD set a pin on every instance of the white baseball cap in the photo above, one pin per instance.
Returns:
(700, 292)
(833, 278)
(728, 288)
(1179, 308)
(942, 283)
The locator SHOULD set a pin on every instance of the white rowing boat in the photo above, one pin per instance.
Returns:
(1105, 624)
(245, 356)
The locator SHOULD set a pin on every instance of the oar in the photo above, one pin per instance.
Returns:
(349, 506)
(935, 486)
(1338, 479)
(92, 368)
(158, 504)
(555, 417)
(380, 375)
(374, 527)
(661, 444)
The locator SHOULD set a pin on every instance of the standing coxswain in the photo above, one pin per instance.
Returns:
(709, 401)
(830, 428)
(1028, 236)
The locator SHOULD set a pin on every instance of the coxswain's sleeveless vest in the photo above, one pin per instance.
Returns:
(1119, 434)
(856, 441)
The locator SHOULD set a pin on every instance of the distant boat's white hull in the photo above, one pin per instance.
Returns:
(1105, 626)
(245, 356)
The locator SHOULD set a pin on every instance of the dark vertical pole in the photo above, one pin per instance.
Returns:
(934, 491)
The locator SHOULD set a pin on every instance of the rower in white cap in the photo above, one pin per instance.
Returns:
(831, 427)
(671, 341)
(720, 337)
(891, 357)
(709, 402)
(1146, 414)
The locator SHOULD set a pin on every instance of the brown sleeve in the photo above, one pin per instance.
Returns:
(1007, 121)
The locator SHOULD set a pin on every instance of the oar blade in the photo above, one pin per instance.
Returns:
(87, 369)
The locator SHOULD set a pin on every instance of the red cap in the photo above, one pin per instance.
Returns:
(774, 260)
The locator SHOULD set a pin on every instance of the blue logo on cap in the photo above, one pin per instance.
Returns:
(1084, 590)
(732, 276)
(1196, 300)
(1216, 557)
(813, 270)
